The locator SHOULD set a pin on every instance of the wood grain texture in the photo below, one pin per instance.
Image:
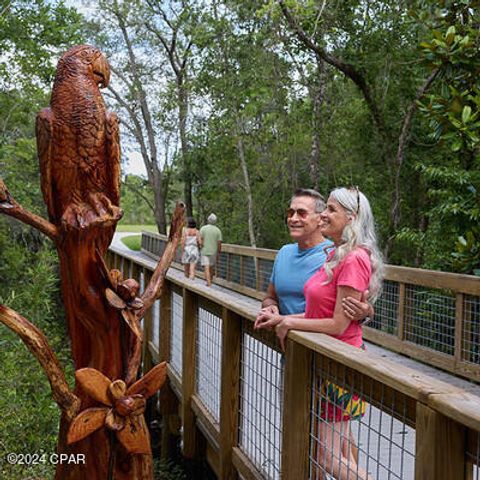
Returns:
(296, 411)
(440, 444)
(229, 397)
(188, 373)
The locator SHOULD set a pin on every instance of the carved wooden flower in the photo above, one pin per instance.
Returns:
(123, 407)
(123, 297)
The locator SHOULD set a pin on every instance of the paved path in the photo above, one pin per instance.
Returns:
(117, 242)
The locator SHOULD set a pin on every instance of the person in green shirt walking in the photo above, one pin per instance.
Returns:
(211, 246)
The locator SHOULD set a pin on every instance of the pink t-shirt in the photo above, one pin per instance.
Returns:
(353, 271)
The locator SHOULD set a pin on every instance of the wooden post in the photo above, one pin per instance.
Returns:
(114, 260)
(147, 328)
(471, 446)
(228, 261)
(242, 272)
(109, 259)
(440, 444)
(165, 322)
(257, 273)
(127, 268)
(296, 411)
(229, 398)
(401, 312)
(188, 373)
(136, 269)
(168, 399)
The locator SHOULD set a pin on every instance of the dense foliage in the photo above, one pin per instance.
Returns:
(275, 95)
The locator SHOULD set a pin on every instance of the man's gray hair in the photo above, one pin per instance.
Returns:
(212, 219)
(320, 204)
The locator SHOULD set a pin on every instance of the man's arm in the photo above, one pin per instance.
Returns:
(269, 305)
(358, 309)
(219, 247)
(270, 299)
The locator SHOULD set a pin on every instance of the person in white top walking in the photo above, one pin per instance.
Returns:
(191, 241)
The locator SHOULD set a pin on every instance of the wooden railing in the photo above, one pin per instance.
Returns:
(255, 415)
(428, 315)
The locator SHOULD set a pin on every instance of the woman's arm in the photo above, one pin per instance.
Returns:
(358, 310)
(331, 326)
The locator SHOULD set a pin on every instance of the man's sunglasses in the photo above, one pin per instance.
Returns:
(301, 213)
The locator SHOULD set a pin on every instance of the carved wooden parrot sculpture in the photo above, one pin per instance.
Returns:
(79, 153)
(78, 144)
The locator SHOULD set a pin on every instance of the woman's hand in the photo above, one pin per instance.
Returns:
(282, 329)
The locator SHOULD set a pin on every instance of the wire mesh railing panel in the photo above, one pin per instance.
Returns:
(209, 360)
(265, 272)
(430, 318)
(260, 415)
(360, 428)
(472, 455)
(471, 329)
(156, 323)
(249, 272)
(176, 337)
(221, 266)
(386, 309)
(234, 275)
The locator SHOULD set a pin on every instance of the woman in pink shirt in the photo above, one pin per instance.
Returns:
(353, 266)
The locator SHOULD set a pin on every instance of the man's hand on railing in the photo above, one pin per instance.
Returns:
(358, 310)
(265, 313)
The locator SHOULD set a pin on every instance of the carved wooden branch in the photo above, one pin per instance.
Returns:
(154, 288)
(10, 207)
(37, 343)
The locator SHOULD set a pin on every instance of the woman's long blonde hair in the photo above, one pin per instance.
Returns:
(360, 232)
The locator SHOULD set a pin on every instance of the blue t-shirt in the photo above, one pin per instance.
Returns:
(292, 268)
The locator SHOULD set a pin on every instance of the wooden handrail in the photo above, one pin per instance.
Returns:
(469, 284)
(431, 284)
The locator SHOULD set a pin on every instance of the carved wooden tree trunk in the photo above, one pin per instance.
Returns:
(78, 147)
(96, 331)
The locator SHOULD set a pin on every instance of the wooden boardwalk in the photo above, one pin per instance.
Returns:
(371, 445)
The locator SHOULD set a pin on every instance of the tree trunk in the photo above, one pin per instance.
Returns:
(182, 117)
(398, 163)
(99, 340)
(143, 126)
(248, 189)
(159, 199)
(317, 93)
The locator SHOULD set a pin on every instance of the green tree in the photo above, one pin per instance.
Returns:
(451, 239)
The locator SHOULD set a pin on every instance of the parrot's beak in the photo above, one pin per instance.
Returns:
(101, 71)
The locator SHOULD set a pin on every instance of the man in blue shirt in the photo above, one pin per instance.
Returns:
(296, 262)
